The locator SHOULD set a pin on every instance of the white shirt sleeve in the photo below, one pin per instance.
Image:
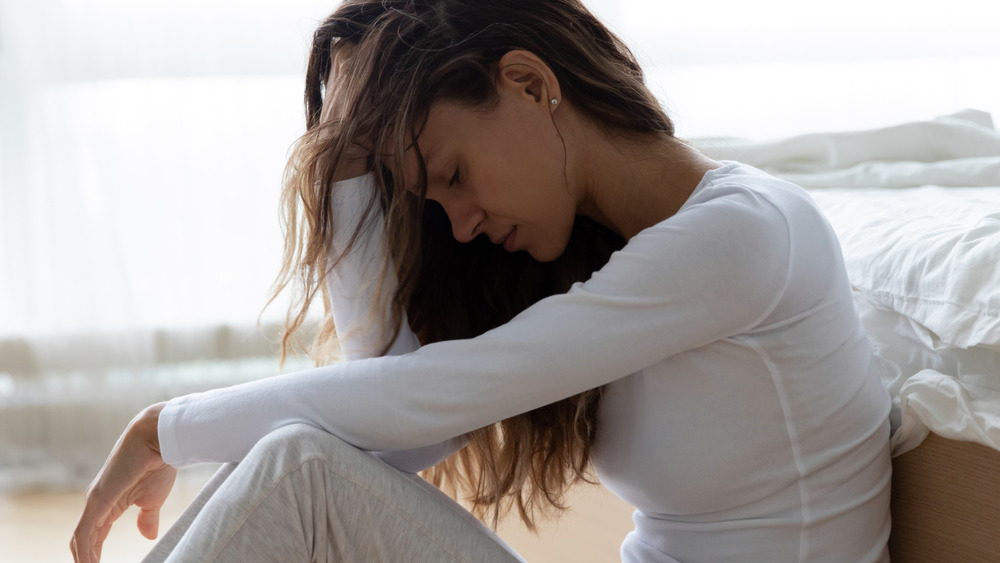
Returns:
(351, 288)
(713, 270)
(351, 284)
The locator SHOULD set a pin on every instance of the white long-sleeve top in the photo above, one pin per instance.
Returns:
(744, 417)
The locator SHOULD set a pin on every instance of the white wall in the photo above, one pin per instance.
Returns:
(778, 67)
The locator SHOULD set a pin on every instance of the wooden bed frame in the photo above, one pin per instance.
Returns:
(946, 503)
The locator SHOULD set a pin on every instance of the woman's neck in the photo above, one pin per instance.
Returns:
(631, 184)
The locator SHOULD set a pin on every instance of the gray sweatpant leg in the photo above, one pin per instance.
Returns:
(302, 494)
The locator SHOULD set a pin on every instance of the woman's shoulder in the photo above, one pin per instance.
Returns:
(735, 180)
(742, 225)
(726, 253)
(734, 202)
(745, 205)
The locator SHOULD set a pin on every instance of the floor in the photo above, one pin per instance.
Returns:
(37, 527)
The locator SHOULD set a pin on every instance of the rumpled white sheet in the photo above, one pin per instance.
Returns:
(953, 391)
(917, 211)
(929, 253)
(817, 156)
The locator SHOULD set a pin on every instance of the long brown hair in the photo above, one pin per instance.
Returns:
(408, 54)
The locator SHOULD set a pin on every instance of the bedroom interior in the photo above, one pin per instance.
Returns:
(116, 291)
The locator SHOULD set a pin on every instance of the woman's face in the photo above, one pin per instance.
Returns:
(501, 173)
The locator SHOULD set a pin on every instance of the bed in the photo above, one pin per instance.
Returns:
(917, 210)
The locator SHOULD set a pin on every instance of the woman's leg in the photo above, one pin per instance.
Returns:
(169, 541)
(302, 494)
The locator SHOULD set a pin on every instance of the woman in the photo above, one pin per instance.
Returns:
(713, 369)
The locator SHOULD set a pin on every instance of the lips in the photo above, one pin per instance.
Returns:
(508, 241)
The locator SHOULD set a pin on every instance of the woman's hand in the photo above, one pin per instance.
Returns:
(134, 473)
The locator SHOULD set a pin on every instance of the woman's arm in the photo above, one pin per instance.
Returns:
(352, 281)
(135, 472)
(708, 273)
(351, 289)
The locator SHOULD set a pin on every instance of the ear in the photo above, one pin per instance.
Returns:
(528, 78)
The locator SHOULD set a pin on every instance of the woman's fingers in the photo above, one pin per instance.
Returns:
(84, 555)
(82, 549)
(134, 473)
(148, 522)
(73, 549)
(102, 534)
(100, 512)
(93, 528)
(150, 495)
(87, 535)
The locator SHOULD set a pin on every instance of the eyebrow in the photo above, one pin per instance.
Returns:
(428, 158)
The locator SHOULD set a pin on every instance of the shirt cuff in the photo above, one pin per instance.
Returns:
(166, 430)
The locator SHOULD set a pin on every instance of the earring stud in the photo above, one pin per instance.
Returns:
(554, 101)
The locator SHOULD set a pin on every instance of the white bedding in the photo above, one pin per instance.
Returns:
(917, 211)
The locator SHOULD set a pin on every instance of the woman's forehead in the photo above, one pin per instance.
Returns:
(446, 124)
(436, 132)
(439, 134)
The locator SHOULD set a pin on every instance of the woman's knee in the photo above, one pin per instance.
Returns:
(301, 437)
(297, 433)
(295, 444)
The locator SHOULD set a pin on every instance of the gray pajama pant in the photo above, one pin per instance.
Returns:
(302, 494)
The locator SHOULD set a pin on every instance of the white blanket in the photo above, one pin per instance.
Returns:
(917, 210)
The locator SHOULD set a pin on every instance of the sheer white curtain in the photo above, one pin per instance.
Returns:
(141, 152)
(142, 145)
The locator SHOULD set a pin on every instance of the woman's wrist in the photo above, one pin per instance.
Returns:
(145, 425)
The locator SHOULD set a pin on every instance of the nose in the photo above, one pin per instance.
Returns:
(465, 217)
